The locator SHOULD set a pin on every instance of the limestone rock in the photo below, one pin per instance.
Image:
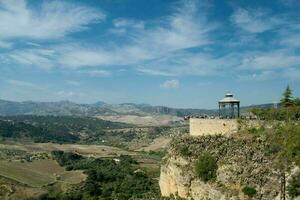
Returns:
(240, 163)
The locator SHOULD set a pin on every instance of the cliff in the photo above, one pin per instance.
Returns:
(241, 163)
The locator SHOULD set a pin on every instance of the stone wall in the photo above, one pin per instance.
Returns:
(212, 126)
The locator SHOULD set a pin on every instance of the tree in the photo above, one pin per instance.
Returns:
(297, 101)
(287, 99)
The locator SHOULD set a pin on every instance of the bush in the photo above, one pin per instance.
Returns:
(249, 191)
(184, 151)
(206, 167)
(273, 149)
(294, 186)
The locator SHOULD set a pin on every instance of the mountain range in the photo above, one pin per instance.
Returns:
(68, 108)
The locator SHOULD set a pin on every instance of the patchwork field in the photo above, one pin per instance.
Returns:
(38, 173)
(85, 150)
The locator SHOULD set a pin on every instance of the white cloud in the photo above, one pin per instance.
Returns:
(170, 84)
(96, 73)
(290, 36)
(292, 74)
(53, 20)
(74, 83)
(259, 76)
(202, 64)
(271, 60)
(185, 28)
(5, 45)
(78, 58)
(69, 94)
(255, 21)
(291, 40)
(41, 58)
(128, 23)
(160, 47)
(154, 72)
(19, 83)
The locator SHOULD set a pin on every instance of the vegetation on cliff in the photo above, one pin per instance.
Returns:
(289, 109)
(206, 167)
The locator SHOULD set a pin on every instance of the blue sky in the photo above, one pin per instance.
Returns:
(184, 53)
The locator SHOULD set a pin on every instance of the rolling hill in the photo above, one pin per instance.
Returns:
(68, 108)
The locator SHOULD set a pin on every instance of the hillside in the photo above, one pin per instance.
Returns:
(58, 129)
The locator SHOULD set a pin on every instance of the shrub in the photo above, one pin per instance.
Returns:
(273, 149)
(206, 167)
(249, 191)
(294, 186)
(184, 151)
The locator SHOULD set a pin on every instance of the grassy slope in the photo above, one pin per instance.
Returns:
(26, 174)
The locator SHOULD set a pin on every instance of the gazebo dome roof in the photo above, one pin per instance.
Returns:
(229, 99)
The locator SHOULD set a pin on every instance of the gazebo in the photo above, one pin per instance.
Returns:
(229, 107)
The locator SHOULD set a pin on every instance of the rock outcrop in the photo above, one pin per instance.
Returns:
(241, 163)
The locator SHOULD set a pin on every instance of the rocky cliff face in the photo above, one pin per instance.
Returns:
(241, 163)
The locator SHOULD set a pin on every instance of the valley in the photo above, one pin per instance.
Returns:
(28, 168)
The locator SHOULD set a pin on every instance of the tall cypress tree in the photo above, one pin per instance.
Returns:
(287, 99)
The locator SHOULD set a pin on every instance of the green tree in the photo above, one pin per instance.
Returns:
(287, 99)
(297, 101)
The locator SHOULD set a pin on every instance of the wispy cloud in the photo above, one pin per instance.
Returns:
(74, 58)
(69, 94)
(271, 60)
(170, 84)
(72, 82)
(53, 20)
(126, 26)
(292, 74)
(173, 45)
(255, 21)
(187, 27)
(154, 72)
(41, 58)
(96, 73)
(5, 45)
(259, 76)
(26, 84)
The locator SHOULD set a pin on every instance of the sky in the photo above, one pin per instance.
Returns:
(177, 53)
